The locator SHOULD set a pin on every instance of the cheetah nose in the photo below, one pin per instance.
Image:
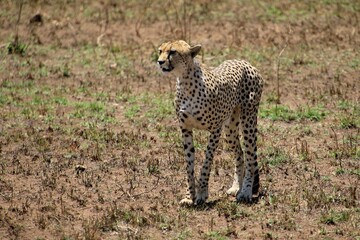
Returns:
(161, 62)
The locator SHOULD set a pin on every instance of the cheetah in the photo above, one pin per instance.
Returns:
(226, 97)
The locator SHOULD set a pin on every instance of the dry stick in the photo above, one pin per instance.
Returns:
(133, 196)
(103, 27)
(139, 22)
(184, 21)
(277, 76)
(186, 25)
(337, 148)
(17, 24)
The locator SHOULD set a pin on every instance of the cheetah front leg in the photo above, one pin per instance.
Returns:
(202, 191)
(189, 151)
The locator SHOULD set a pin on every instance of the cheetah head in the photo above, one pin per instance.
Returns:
(176, 56)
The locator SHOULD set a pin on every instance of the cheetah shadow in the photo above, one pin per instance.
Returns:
(214, 204)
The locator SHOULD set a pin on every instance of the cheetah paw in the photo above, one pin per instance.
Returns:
(244, 196)
(233, 190)
(186, 202)
(201, 197)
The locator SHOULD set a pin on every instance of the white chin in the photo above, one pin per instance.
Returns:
(166, 69)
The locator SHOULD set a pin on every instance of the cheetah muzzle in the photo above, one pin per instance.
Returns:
(226, 97)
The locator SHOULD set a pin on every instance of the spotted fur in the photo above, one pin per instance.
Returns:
(227, 97)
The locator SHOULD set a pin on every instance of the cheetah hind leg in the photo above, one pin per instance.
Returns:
(235, 188)
(233, 144)
(238, 174)
(250, 183)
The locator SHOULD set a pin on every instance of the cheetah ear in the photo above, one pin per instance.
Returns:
(194, 50)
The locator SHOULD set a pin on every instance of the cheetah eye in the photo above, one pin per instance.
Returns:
(172, 52)
(160, 51)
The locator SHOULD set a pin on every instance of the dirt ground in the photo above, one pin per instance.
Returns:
(90, 146)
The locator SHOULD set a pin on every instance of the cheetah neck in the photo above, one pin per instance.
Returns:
(193, 72)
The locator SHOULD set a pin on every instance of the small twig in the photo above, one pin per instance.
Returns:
(184, 21)
(17, 23)
(133, 196)
(150, 190)
(129, 229)
(123, 190)
(339, 152)
(277, 76)
(99, 38)
(139, 21)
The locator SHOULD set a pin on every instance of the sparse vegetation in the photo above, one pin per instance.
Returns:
(89, 143)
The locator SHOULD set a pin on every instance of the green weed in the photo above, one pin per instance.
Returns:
(183, 235)
(277, 112)
(284, 113)
(344, 105)
(311, 113)
(339, 171)
(132, 111)
(274, 13)
(17, 47)
(356, 171)
(153, 166)
(231, 210)
(4, 99)
(334, 217)
(94, 110)
(61, 101)
(347, 148)
(43, 71)
(160, 108)
(269, 236)
(347, 122)
(65, 70)
(275, 156)
(215, 235)
(156, 107)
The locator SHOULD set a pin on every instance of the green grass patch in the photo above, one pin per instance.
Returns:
(160, 108)
(132, 111)
(94, 110)
(4, 99)
(334, 217)
(349, 117)
(349, 122)
(215, 235)
(231, 210)
(17, 47)
(275, 156)
(148, 107)
(185, 234)
(61, 101)
(284, 113)
(278, 112)
(356, 171)
(7, 84)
